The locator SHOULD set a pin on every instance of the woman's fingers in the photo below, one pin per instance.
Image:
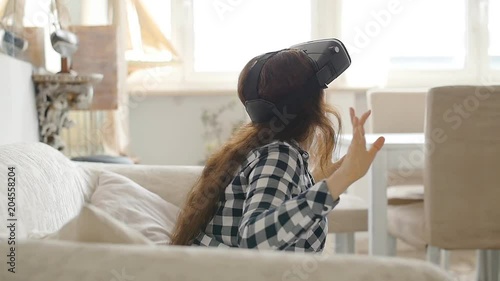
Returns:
(355, 128)
(360, 158)
(338, 163)
(361, 136)
(359, 121)
(358, 124)
(352, 114)
(377, 145)
(363, 118)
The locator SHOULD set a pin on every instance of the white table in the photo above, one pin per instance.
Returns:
(398, 149)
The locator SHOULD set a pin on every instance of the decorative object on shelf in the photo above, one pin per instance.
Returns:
(63, 41)
(102, 129)
(11, 22)
(17, 40)
(12, 43)
(56, 95)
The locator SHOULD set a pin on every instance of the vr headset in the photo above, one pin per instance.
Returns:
(329, 59)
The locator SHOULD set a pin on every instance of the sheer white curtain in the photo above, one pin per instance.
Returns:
(145, 46)
(113, 132)
(118, 120)
(3, 7)
(12, 14)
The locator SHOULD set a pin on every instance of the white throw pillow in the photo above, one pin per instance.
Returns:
(93, 225)
(135, 206)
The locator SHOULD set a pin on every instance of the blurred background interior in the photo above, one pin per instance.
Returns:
(154, 82)
(170, 67)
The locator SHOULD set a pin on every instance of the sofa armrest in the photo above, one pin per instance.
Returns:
(65, 261)
(172, 183)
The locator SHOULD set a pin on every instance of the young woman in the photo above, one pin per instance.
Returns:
(257, 191)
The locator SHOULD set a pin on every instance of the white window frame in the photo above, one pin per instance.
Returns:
(477, 68)
(326, 15)
(183, 38)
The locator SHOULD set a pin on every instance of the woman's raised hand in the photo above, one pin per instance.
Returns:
(358, 159)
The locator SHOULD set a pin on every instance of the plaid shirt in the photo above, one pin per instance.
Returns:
(272, 203)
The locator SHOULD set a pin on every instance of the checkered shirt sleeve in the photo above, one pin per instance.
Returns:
(277, 211)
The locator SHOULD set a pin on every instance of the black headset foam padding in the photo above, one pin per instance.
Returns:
(250, 89)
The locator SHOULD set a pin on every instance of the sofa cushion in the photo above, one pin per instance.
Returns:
(50, 189)
(135, 206)
(406, 222)
(93, 225)
(172, 183)
(350, 215)
(405, 194)
(63, 261)
(403, 176)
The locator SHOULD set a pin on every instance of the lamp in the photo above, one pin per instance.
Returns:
(63, 41)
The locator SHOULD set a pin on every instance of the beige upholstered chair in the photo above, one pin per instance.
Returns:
(397, 111)
(461, 209)
(388, 106)
(347, 218)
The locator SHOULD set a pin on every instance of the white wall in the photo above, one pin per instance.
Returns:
(18, 117)
(167, 130)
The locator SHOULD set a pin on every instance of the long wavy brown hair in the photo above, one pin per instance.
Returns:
(315, 127)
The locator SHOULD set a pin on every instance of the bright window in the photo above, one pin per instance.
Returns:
(494, 33)
(408, 34)
(37, 13)
(227, 34)
(393, 43)
(160, 11)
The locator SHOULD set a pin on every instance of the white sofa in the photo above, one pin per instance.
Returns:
(51, 190)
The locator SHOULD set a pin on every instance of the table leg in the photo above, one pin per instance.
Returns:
(377, 224)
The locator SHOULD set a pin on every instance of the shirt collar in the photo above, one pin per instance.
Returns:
(296, 145)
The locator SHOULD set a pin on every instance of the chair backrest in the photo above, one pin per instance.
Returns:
(462, 167)
(396, 111)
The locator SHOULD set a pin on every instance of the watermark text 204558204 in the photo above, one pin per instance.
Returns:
(11, 218)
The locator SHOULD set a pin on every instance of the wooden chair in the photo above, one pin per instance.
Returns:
(347, 218)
